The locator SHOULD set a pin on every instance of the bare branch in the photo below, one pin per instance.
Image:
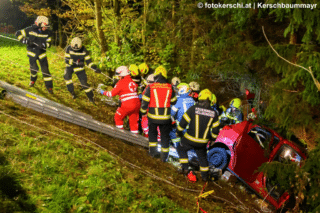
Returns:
(316, 82)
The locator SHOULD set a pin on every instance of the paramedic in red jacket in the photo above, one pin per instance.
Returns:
(126, 88)
(156, 101)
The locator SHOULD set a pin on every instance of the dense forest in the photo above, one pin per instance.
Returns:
(273, 52)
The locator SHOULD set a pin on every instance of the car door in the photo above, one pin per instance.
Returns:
(249, 156)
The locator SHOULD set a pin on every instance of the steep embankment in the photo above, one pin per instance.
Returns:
(59, 168)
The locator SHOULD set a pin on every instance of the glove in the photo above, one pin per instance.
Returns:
(25, 41)
(101, 92)
(99, 88)
(98, 70)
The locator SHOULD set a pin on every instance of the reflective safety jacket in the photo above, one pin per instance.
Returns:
(36, 37)
(203, 124)
(71, 58)
(126, 89)
(158, 98)
(232, 116)
(184, 102)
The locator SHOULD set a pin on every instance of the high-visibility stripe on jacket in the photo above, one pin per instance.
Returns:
(36, 37)
(157, 99)
(203, 124)
(126, 89)
(71, 57)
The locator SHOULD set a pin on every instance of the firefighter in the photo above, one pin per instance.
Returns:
(75, 57)
(233, 114)
(134, 71)
(203, 125)
(130, 103)
(144, 69)
(175, 82)
(135, 75)
(184, 102)
(195, 89)
(144, 118)
(37, 38)
(157, 99)
(250, 98)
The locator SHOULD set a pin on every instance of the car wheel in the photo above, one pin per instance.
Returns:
(218, 157)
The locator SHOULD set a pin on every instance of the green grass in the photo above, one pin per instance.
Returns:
(50, 174)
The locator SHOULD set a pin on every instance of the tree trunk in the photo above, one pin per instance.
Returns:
(117, 21)
(60, 33)
(102, 39)
(144, 30)
(193, 48)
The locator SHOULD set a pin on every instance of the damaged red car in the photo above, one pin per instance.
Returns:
(242, 148)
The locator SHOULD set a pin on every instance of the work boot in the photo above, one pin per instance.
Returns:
(73, 94)
(31, 84)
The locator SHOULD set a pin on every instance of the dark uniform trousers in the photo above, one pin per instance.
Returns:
(41, 55)
(165, 139)
(82, 76)
(157, 99)
(36, 51)
(200, 148)
(203, 125)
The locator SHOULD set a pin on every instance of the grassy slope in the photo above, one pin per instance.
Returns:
(56, 174)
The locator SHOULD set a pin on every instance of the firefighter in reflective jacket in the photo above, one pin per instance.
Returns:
(75, 57)
(130, 103)
(233, 114)
(37, 38)
(184, 102)
(203, 124)
(157, 99)
(135, 75)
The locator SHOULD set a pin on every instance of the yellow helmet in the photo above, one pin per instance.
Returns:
(144, 69)
(42, 21)
(204, 95)
(161, 71)
(134, 70)
(236, 103)
(76, 43)
(213, 99)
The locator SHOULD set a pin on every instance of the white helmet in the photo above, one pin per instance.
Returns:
(76, 43)
(122, 71)
(150, 79)
(194, 86)
(175, 81)
(42, 21)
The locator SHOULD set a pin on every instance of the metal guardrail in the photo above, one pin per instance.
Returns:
(59, 111)
(13, 89)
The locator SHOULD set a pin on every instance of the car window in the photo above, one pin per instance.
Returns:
(261, 136)
(285, 153)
